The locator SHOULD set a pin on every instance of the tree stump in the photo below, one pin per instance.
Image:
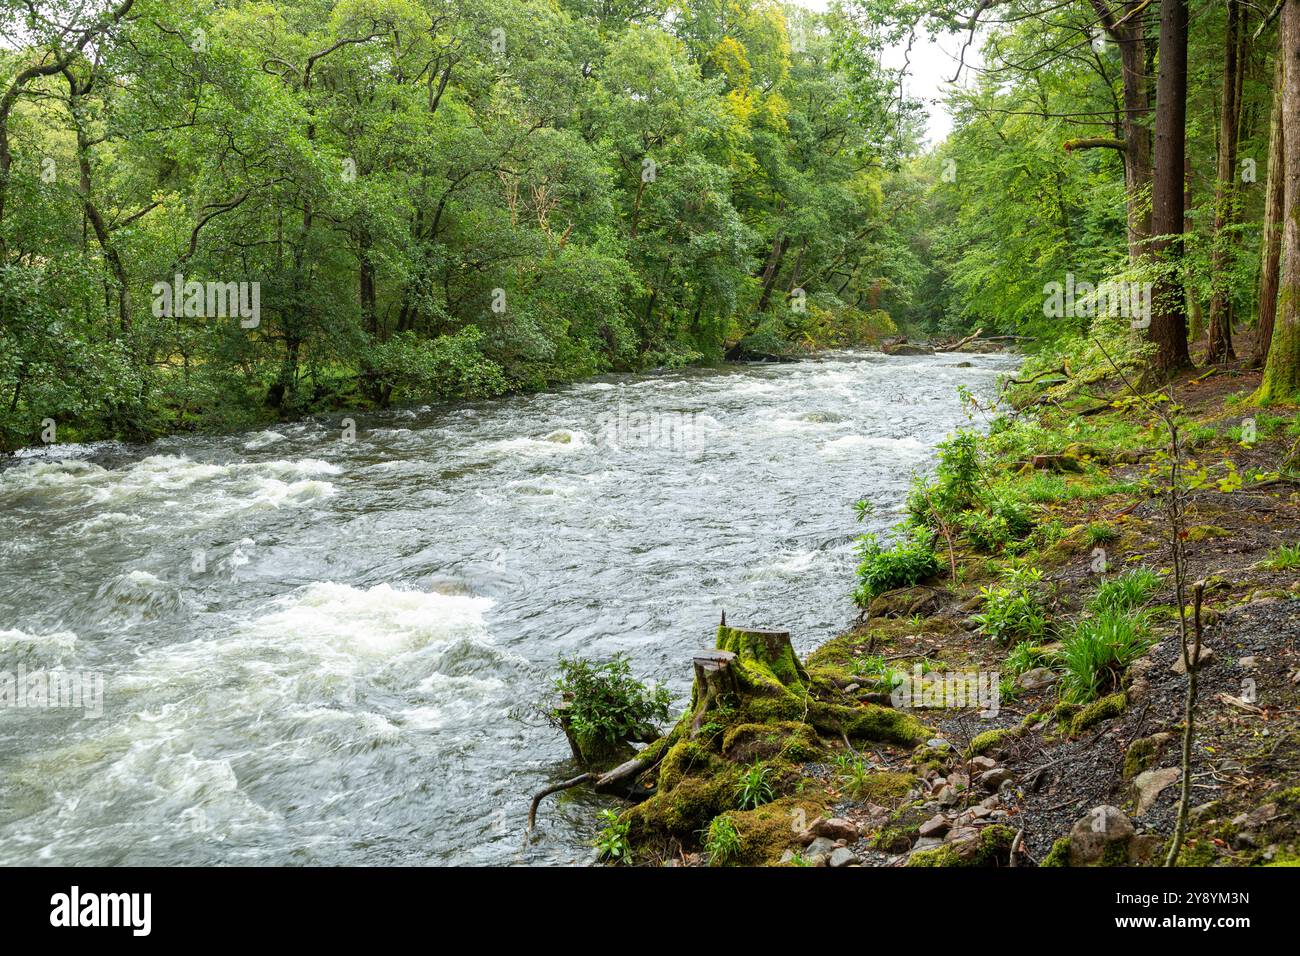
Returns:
(715, 685)
(747, 662)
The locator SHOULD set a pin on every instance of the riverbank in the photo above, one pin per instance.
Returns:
(827, 770)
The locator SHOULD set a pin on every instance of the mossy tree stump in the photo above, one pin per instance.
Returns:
(746, 662)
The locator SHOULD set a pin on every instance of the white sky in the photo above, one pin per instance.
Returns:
(931, 65)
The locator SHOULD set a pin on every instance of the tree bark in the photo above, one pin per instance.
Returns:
(1219, 346)
(1270, 257)
(1127, 31)
(1168, 330)
(1282, 370)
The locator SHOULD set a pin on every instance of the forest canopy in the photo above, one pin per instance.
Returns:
(213, 213)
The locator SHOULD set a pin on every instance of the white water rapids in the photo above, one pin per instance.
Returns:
(310, 646)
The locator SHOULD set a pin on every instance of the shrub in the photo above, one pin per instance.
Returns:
(910, 561)
(613, 843)
(754, 788)
(1012, 608)
(722, 841)
(1129, 591)
(1284, 558)
(605, 704)
(1096, 653)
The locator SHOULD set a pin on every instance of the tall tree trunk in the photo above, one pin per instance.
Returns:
(1127, 31)
(1168, 330)
(1195, 319)
(1219, 346)
(1282, 370)
(1270, 256)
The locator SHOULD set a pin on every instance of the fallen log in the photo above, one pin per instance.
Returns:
(970, 338)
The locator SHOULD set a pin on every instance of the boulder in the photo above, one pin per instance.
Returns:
(1101, 837)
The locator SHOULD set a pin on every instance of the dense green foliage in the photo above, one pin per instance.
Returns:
(434, 199)
(605, 704)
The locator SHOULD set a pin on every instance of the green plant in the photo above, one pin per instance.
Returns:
(1098, 532)
(613, 843)
(754, 788)
(604, 705)
(1095, 654)
(1013, 608)
(852, 773)
(722, 841)
(910, 561)
(1285, 557)
(1023, 657)
(1130, 590)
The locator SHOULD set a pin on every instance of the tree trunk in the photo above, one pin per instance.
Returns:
(1270, 257)
(1168, 330)
(1219, 346)
(1195, 321)
(1282, 370)
(1127, 32)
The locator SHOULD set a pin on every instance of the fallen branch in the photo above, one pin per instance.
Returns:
(970, 338)
(554, 788)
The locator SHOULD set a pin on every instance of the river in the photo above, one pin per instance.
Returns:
(311, 638)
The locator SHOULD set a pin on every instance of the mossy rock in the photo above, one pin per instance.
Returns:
(1099, 710)
(1143, 753)
(991, 741)
(1207, 532)
(992, 848)
(685, 809)
(787, 739)
(766, 832)
(884, 786)
(1059, 854)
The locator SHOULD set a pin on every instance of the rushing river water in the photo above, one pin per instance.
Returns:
(310, 646)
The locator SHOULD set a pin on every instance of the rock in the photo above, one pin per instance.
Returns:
(959, 781)
(965, 842)
(993, 802)
(1149, 785)
(980, 764)
(852, 687)
(1245, 841)
(995, 778)
(819, 849)
(786, 857)
(948, 796)
(937, 825)
(1205, 657)
(1036, 678)
(927, 843)
(1143, 753)
(978, 812)
(1103, 828)
(1201, 811)
(937, 743)
(842, 857)
(907, 348)
(1248, 663)
(877, 817)
(836, 828)
(908, 602)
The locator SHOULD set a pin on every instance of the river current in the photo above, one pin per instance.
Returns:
(311, 638)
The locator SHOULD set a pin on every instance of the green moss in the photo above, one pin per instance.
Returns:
(686, 808)
(788, 739)
(1206, 532)
(1142, 754)
(868, 722)
(994, 849)
(884, 786)
(766, 832)
(991, 740)
(765, 659)
(684, 757)
(1059, 855)
(1097, 711)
